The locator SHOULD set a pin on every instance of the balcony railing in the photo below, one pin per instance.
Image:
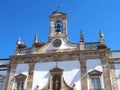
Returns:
(91, 45)
(96, 89)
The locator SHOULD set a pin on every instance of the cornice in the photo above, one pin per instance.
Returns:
(57, 56)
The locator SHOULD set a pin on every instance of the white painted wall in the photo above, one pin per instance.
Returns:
(117, 71)
(63, 46)
(92, 65)
(22, 69)
(71, 73)
(116, 54)
(4, 62)
(3, 72)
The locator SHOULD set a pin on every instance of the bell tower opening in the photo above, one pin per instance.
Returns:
(58, 27)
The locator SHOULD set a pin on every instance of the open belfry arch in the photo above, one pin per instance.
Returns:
(61, 65)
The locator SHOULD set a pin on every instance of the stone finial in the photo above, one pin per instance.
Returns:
(102, 44)
(20, 44)
(35, 39)
(81, 36)
(19, 41)
(101, 35)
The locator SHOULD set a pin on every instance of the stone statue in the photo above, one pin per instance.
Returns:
(56, 85)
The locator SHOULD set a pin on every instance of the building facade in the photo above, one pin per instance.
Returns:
(60, 64)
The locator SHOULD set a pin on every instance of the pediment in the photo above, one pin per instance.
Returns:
(64, 45)
(95, 72)
(20, 77)
(56, 70)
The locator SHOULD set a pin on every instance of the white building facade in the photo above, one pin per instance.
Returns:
(62, 65)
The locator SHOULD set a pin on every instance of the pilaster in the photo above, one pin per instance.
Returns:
(106, 72)
(113, 77)
(50, 88)
(62, 82)
(83, 75)
(30, 77)
(11, 76)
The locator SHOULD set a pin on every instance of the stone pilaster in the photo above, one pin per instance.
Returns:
(11, 76)
(30, 76)
(83, 75)
(113, 77)
(106, 72)
(50, 88)
(62, 82)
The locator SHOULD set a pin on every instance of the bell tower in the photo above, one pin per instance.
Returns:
(58, 25)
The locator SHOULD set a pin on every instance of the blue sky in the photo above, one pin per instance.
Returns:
(25, 18)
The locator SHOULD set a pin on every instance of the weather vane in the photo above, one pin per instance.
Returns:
(58, 8)
(56, 64)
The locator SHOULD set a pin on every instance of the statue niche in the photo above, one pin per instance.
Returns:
(56, 82)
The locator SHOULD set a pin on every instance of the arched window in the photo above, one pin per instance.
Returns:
(58, 26)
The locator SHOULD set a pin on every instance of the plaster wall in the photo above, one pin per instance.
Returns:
(71, 73)
(117, 71)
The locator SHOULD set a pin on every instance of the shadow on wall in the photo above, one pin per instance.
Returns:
(75, 79)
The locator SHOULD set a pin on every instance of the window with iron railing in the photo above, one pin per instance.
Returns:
(97, 89)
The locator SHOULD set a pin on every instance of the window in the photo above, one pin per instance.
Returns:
(1, 85)
(95, 83)
(94, 80)
(20, 85)
(20, 79)
(2, 78)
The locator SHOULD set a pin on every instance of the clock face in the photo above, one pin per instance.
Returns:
(57, 42)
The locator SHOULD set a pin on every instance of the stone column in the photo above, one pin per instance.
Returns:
(11, 76)
(30, 76)
(113, 77)
(106, 72)
(83, 75)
